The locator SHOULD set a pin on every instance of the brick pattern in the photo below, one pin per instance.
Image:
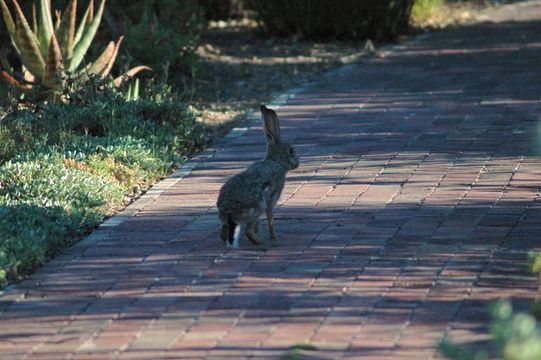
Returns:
(415, 206)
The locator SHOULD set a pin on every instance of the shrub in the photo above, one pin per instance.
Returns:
(168, 46)
(335, 19)
(216, 9)
(159, 32)
(516, 336)
(182, 15)
(222, 9)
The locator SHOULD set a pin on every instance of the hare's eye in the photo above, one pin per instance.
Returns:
(290, 151)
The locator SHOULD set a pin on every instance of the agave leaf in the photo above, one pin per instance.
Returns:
(35, 27)
(9, 76)
(66, 30)
(42, 39)
(58, 19)
(4, 61)
(90, 11)
(10, 24)
(129, 74)
(101, 63)
(82, 46)
(46, 26)
(107, 70)
(28, 45)
(84, 22)
(127, 94)
(27, 76)
(54, 78)
(10, 79)
(135, 93)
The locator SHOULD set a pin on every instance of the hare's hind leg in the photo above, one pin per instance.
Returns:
(270, 223)
(252, 232)
(227, 231)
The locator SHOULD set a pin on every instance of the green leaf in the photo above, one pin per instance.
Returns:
(132, 93)
(35, 26)
(534, 260)
(28, 45)
(87, 19)
(4, 61)
(58, 18)
(81, 47)
(55, 66)
(66, 30)
(136, 90)
(46, 26)
(8, 19)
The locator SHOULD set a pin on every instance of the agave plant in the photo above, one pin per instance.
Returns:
(53, 51)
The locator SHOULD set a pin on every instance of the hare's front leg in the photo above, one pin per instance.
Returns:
(270, 223)
(252, 232)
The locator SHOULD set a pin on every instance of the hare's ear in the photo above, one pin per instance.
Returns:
(271, 124)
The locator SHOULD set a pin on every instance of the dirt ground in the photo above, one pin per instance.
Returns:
(243, 68)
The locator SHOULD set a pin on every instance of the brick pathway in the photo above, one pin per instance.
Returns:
(415, 205)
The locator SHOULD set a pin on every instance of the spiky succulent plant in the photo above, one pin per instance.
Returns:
(53, 51)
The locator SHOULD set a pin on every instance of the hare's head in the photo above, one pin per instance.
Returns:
(276, 149)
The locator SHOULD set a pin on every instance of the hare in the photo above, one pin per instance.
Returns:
(245, 196)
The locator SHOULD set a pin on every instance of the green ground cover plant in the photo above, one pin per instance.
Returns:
(64, 167)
